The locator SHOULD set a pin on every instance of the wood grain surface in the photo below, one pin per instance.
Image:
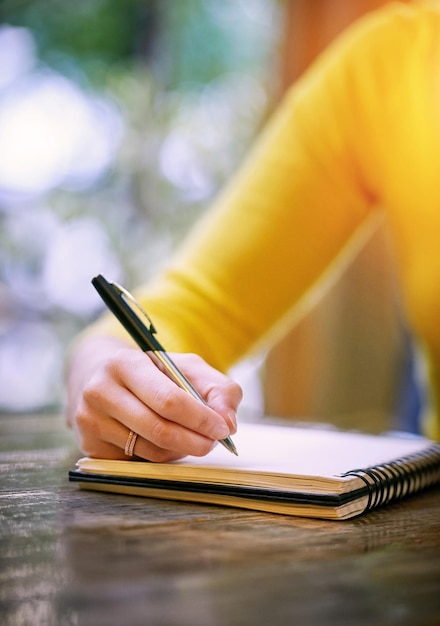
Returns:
(72, 557)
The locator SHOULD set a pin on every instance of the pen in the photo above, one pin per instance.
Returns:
(120, 302)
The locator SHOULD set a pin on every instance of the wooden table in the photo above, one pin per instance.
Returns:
(71, 557)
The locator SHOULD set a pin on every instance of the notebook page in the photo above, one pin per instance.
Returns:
(291, 450)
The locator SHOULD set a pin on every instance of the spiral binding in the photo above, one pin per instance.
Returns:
(392, 481)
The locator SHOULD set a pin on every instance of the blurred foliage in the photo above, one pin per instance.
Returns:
(186, 42)
(84, 37)
(175, 91)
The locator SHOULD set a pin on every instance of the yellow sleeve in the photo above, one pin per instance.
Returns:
(310, 182)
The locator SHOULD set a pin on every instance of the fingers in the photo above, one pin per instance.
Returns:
(130, 393)
(109, 441)
(153, 402)
(221, 393)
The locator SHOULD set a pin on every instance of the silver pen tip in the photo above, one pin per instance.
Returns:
(229, 445)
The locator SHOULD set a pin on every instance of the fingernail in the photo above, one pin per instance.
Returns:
(232, 416)
(220, 431)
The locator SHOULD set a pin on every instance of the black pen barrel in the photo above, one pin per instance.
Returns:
(125, 314)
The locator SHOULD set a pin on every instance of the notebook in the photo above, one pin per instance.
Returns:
(322, 473)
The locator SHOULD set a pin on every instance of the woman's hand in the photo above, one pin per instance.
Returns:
(114, 388)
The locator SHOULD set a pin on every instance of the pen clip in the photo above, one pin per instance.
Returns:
(131, 300)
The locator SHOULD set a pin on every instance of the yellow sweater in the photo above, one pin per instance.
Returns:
(358, 135)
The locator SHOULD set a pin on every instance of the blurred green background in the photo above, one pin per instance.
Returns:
(119, 122)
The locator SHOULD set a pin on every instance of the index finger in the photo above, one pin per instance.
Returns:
(156, 391)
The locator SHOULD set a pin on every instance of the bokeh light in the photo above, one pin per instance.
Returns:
(115, 133)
